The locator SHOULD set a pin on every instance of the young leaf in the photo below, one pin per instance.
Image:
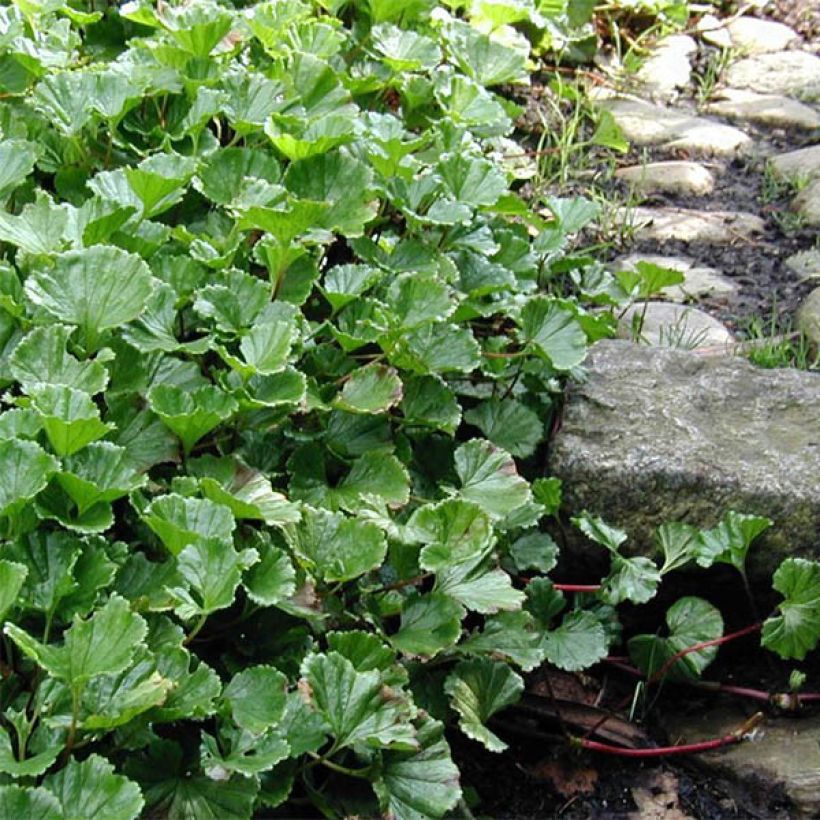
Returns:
(271, 579)
(372, 389)
(453, 531)
(12, 576)
(334, 547)
(508, 424)
(96, 288)
(212, 569)
(17, 158)
(597, 530)
(428, 402)
(508, 635)
(489, 478)
(429, 624)
(422, 783)
(102, 644)
(355, 705)
(631, 579)
(535, 550)
(580, 642)
(191, 415)
(179, 521)
(690, 621)
(69, 417)
(101, 472)
(729, 542)
(42, 358)
(795, 631)
(26, 470)
(679, 544)
(478, 689)
(27, 803)
(256, 697)
(554, 332)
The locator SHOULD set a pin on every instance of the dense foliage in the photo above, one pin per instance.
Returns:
(280, 347)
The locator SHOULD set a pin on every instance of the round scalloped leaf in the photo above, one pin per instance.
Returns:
(96, 288)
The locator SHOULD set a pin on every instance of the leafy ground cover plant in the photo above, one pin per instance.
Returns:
(280, 346)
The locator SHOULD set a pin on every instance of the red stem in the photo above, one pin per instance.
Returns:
(702, 645)
(666, 751)
(576, 587)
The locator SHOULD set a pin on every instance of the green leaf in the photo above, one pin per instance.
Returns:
(212, 569)
(96, 288)
(508, 424)
(26, 470)
(795, 630)
(597, 530)
(226, 170)
(101, 472)
(488, 61)
(631, 579)
(535, 550)
(479, 589)
(173, 790)
(26, 803)
(419, 784)
(374, 475)
(573, 213)
(17, 158)
(403, 50)
(453, 531)
(69, 417)
(729, 542)
(12, 576)
(242, 752)
(159, 181)
(436, 348)
(428, 402)
(42, 358)
(679, 544)
(191, 415)
(344, 283)
(355, 705)
(554, 332)
(265, 350)
(489, 478)
(363, 649)
(416, 300)
(102, 644)
(334, 547)
(507, 635)
(690, 621)
(256, 697)
(179, 521)
(474, 181)
(197, 29)
(429, 624)
(580, 642)
(39, 228)
(478, 689)
(247, 493)
(272, 579)
(372, 389)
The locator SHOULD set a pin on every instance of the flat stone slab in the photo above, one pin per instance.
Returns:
(690, 225)
(699, 282)
(803, 163)
(656, 435)
(781, 758)
(807, 203)
(808, 317)
(773, 110)
(794, 73)
(675, 177)
(646, 124)
(667, 324)
(667, 69)
(755, 36)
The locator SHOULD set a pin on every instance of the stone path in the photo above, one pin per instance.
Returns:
(756, 136)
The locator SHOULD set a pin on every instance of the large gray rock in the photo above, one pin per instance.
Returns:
(795, 73)
(666, 324)
(807, 203)
(667, 69)
(673, 130)
(781, 759)
(804, 163)
(673, 177)
(774, 110)
(808, 318)
(690, 225)
(659, 435)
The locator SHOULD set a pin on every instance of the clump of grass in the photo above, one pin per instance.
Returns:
(773, 343)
